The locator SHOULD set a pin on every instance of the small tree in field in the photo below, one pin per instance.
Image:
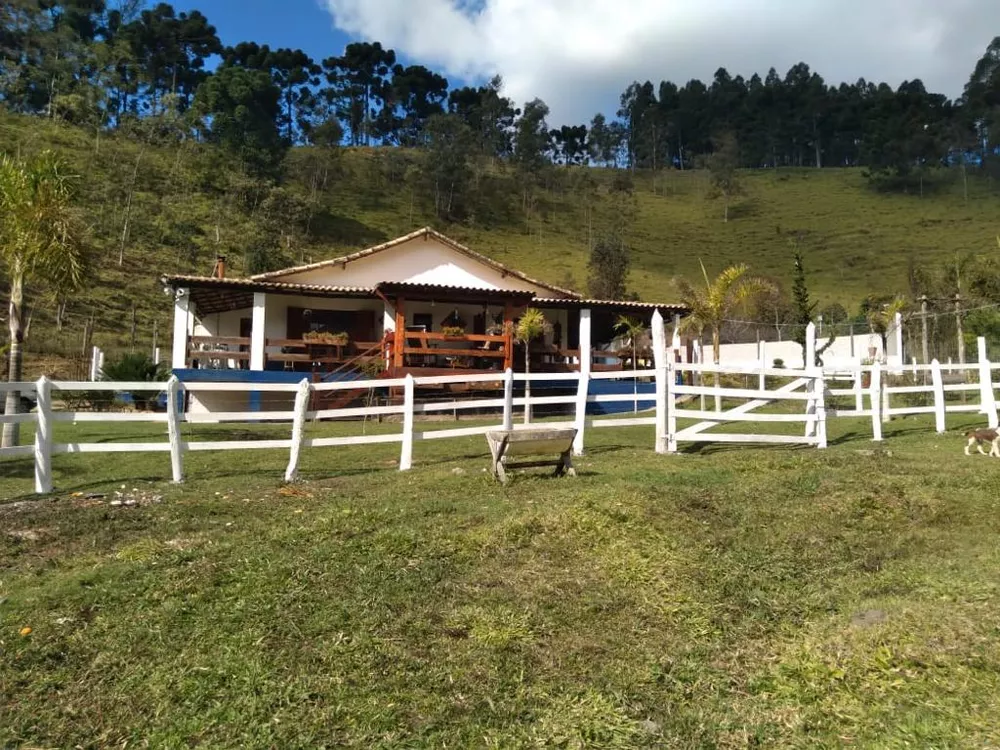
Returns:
(803, 310)
(722, 166)
(607, 268)
(531, 326)
(40, 240)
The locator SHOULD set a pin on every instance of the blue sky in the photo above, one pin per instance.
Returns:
(579, 55)
(297, 24)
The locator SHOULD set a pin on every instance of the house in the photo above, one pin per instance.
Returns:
(421, 304)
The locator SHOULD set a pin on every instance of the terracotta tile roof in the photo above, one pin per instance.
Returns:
(254, 285)
(425, 232)
(616, 304)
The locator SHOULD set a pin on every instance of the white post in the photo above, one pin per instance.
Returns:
(762, 358)
(938, 385)
(508, 399)
(583, 386)
(43, 437)
(257, 331)
(913, 363)
(671, 408)
(174, 429)
(810, 353)
(100, 364)
(820, 385)
(875, 396)
(700, 376)
(898, 338)
(93, 363)
(809, 365)
(886, 399)
(859, 400)
(302, 397)
(182, 314)
(156, 356)
(406, 452)
(988, 404)
(675, 339)
(661, 358)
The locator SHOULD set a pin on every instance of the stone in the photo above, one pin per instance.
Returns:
(458, 471)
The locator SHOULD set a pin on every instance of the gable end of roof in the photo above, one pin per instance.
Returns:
(426, 232)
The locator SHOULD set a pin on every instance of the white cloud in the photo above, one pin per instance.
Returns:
(578, 55)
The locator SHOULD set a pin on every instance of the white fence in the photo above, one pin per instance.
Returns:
(820, 391)
(44, 416)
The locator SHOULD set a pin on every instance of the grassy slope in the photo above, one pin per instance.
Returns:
(723, 598)
(856, 241)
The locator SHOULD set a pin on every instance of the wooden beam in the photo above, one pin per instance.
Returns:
(508, 335)
(400, 338)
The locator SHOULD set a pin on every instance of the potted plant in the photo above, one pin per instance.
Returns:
(866, 375)
(326, 337)
(454, 325)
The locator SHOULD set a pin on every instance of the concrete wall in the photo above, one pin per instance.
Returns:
(791, 353)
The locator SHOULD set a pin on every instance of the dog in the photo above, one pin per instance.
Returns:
(978, 437)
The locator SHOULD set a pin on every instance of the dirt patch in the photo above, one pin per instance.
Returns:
(868, 617)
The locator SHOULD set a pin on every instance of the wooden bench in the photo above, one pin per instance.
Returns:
(506, 445)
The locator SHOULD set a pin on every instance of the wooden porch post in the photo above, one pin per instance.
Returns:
(182, 314)
(399, 342)
(257, 337)
(508, 335)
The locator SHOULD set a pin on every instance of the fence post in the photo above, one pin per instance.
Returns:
(809, 366)
(820, 408)
(406, 452)
(43, 437)
(302, 397)
(762, 358)
(886, 397)
(988, 404)
(671, 409)
(938, 386)
(508, 399)
(582, 390)
(660, 360)
(809, 355)
(875, 396)
(174, 429)
(859, 398)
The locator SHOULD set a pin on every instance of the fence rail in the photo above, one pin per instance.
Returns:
(816, 395)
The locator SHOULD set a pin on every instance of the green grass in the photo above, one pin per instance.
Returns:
(719, 598)
(189, 204)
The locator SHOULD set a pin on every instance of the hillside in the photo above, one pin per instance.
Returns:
(183, 203)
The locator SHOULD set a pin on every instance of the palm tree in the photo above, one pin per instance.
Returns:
(532, 325)
(717, 301)
(632, 328)
(40, 239)
(881, 318)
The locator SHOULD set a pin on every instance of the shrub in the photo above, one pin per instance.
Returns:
(136, 368)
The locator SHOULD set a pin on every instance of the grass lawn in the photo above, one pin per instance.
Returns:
(720, 598)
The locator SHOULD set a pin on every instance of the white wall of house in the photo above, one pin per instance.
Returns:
(423, 260)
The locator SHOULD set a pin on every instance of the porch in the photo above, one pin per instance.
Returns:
(392, 329)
